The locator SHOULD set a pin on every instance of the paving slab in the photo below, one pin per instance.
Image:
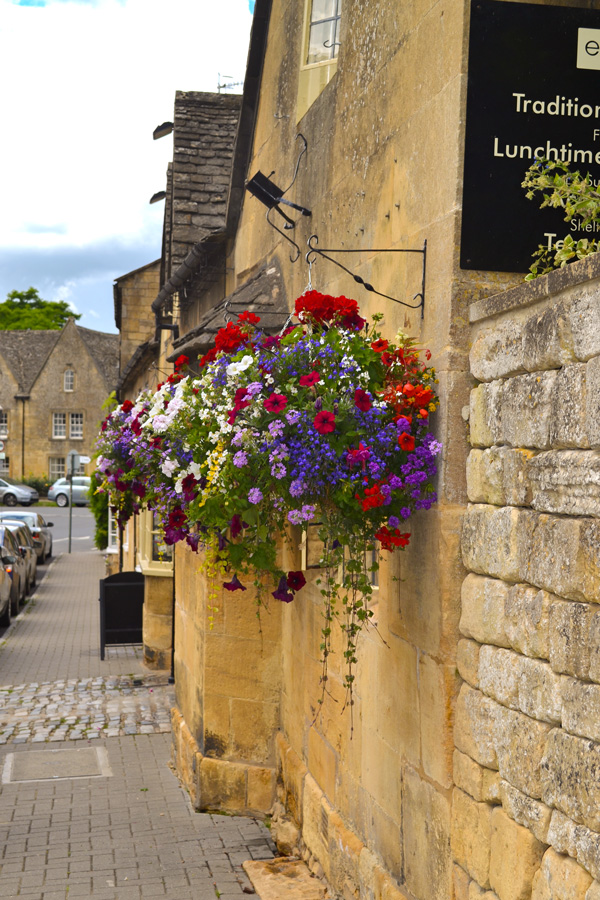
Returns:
(89, 807)
(283, 878)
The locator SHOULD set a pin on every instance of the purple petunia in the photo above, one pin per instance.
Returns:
(255, 495)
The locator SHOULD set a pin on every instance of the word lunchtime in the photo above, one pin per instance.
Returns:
(565, 153)
(559, 106)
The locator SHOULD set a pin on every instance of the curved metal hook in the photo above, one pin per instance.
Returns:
(288, 239)
(313, 252)
(302, 152)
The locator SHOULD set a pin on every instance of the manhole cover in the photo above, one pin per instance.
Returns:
(48, 765)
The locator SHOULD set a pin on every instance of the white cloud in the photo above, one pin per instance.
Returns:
(94, 82)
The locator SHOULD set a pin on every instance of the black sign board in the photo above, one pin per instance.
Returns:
(533, 90)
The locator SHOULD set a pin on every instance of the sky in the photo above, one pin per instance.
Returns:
(84, 85)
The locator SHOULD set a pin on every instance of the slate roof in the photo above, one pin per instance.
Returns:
(26, 353)
(104, 348)
(263, 295)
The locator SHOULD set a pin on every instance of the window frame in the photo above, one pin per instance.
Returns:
(314, 77)
(72, 435)
(55, 421)
(147, 532)
(70, 374)
(3, 424)
(62, 474)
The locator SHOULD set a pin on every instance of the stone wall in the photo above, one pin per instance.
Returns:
(526, 802)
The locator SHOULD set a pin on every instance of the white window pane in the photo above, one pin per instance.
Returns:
(59, 425)
(69, 380)
(76, 425)
(3, 424)
(56, 467)
(4, 466)
(323, 9)
(319, 35)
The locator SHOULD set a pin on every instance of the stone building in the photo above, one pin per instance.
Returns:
(471, 768)
(52, 387)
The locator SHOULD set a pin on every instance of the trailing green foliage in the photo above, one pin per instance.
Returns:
(578, 196)
(99, 509)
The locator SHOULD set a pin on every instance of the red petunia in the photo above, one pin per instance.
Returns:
(309, 380)
(295, 581)
(275, 403)
(362, 400)
(380, 345)
(406, 441)
(324, 422)
(127, 406)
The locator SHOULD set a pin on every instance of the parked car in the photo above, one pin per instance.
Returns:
(27, 549)
(40, 529)
(13, 492)
(60, 491)
(15, 565)
(5, 589)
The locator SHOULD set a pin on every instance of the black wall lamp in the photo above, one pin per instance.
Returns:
(267, 192)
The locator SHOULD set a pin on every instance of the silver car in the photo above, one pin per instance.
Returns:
(60, 491)
(40, 529)
(24, 539)
(13, 492)
(5, 589)
(16, 567)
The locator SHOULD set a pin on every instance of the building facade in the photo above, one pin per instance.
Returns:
(52, 387)
(467, 768)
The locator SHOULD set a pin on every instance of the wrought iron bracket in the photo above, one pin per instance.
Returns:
(315, 251)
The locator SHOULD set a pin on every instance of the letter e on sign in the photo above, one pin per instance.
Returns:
(588, 48)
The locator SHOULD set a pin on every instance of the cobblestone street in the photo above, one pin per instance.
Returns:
(89, 807)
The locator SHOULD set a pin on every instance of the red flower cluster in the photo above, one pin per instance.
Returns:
(249, 317)
(181, 361)
(322, 308)
(126, 406)
(390, 539)
(230, 338)
(372, 499)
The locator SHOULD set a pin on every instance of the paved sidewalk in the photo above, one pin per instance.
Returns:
(99, 814)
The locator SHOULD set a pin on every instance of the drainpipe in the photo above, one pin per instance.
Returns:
(22, 398)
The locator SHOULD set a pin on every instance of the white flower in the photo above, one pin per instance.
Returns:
(168, 467)
(235, 368)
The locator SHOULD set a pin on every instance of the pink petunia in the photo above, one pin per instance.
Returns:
(275, 403)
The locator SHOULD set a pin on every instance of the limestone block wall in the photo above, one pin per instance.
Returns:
(526, 804)
(228, 685)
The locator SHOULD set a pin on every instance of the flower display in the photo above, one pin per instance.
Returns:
(326, 424)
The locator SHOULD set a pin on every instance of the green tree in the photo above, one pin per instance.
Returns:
(26, 309)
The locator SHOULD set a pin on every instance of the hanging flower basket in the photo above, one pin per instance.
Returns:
(327, 422)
